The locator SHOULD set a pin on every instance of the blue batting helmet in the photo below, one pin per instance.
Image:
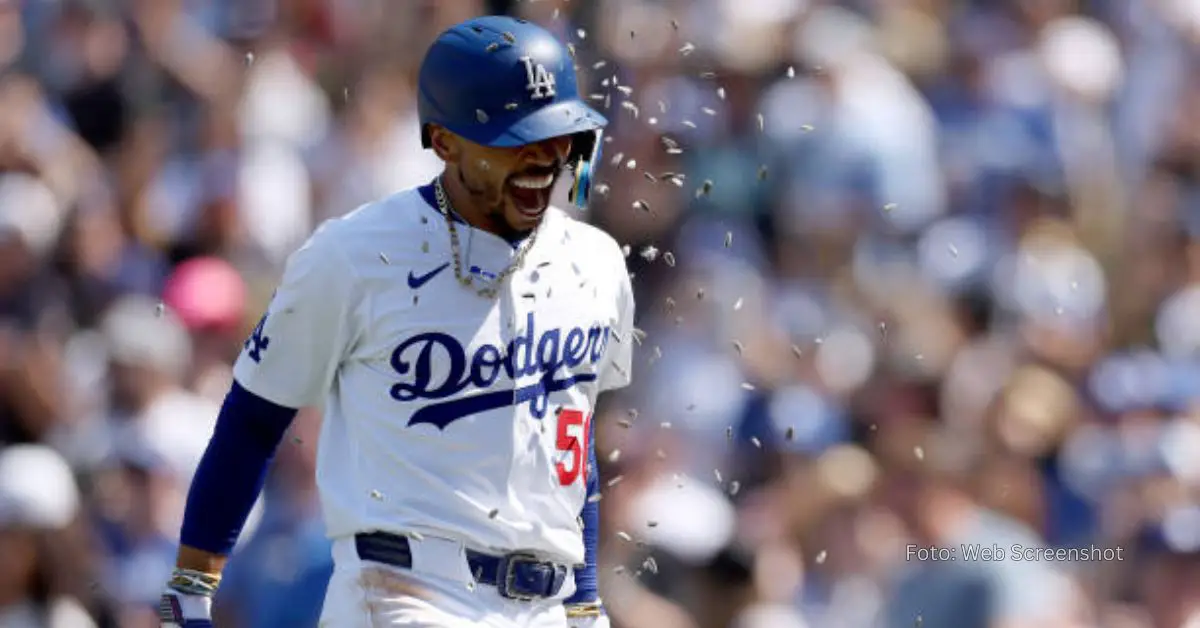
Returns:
(501, 81)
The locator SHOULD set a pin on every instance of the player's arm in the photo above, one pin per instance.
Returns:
(287, 363)
(584, 607)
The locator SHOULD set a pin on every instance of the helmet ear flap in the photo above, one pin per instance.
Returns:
(584, 157)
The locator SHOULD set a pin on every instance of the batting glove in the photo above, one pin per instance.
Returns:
(187, 600)
(587, 616)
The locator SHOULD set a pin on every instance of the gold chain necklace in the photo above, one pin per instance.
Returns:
(466, 279)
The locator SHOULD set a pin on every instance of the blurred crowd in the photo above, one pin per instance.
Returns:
(910, 274)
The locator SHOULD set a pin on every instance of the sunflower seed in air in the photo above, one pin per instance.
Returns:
(734, 487)
(762, 173)
(599, 64)
(631, 164)
(700, 294)
(704, 190)
(642, 205)
(580, 33)
(790, 433)
(737, 346)
(615, 455)
(709, 111)
(754, 441)
(791, 72)
(737, 305)
(747, 386)
(649, 177)
(821, 556)
(481, 115)
(687, 48)
(689, 124)
(675, 24)
(761, 123)
(721, 93)
(615, 481)
(512, 106)
(493, 47)
(669, 258)
(493, 513)
(650, 564)
(424, 247)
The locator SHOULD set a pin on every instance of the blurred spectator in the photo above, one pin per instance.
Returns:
(39, 500)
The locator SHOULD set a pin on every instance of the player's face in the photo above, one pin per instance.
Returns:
(510, 186)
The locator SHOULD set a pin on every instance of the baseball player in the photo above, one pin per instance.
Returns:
(458, 334)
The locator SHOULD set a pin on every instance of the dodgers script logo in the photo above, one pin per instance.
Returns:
(528, 354)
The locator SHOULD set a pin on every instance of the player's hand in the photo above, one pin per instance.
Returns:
(587, 616)
(182, 610)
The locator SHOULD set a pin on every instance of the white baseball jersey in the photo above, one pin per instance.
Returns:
(447, 413)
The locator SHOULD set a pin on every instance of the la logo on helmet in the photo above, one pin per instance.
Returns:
(540, 82)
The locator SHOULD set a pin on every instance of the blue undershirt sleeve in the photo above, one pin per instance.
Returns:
(587, 587)
(233, 470)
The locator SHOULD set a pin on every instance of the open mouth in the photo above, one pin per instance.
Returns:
(530, 191)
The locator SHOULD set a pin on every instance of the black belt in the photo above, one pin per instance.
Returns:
(516, 576)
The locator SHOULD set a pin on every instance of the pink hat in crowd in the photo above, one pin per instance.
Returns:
(206, 293)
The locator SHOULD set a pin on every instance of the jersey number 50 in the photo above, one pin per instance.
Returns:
(572, 439)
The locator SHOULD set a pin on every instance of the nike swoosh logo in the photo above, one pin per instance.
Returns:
(415, 281)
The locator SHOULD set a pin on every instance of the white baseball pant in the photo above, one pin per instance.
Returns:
(437, 592)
